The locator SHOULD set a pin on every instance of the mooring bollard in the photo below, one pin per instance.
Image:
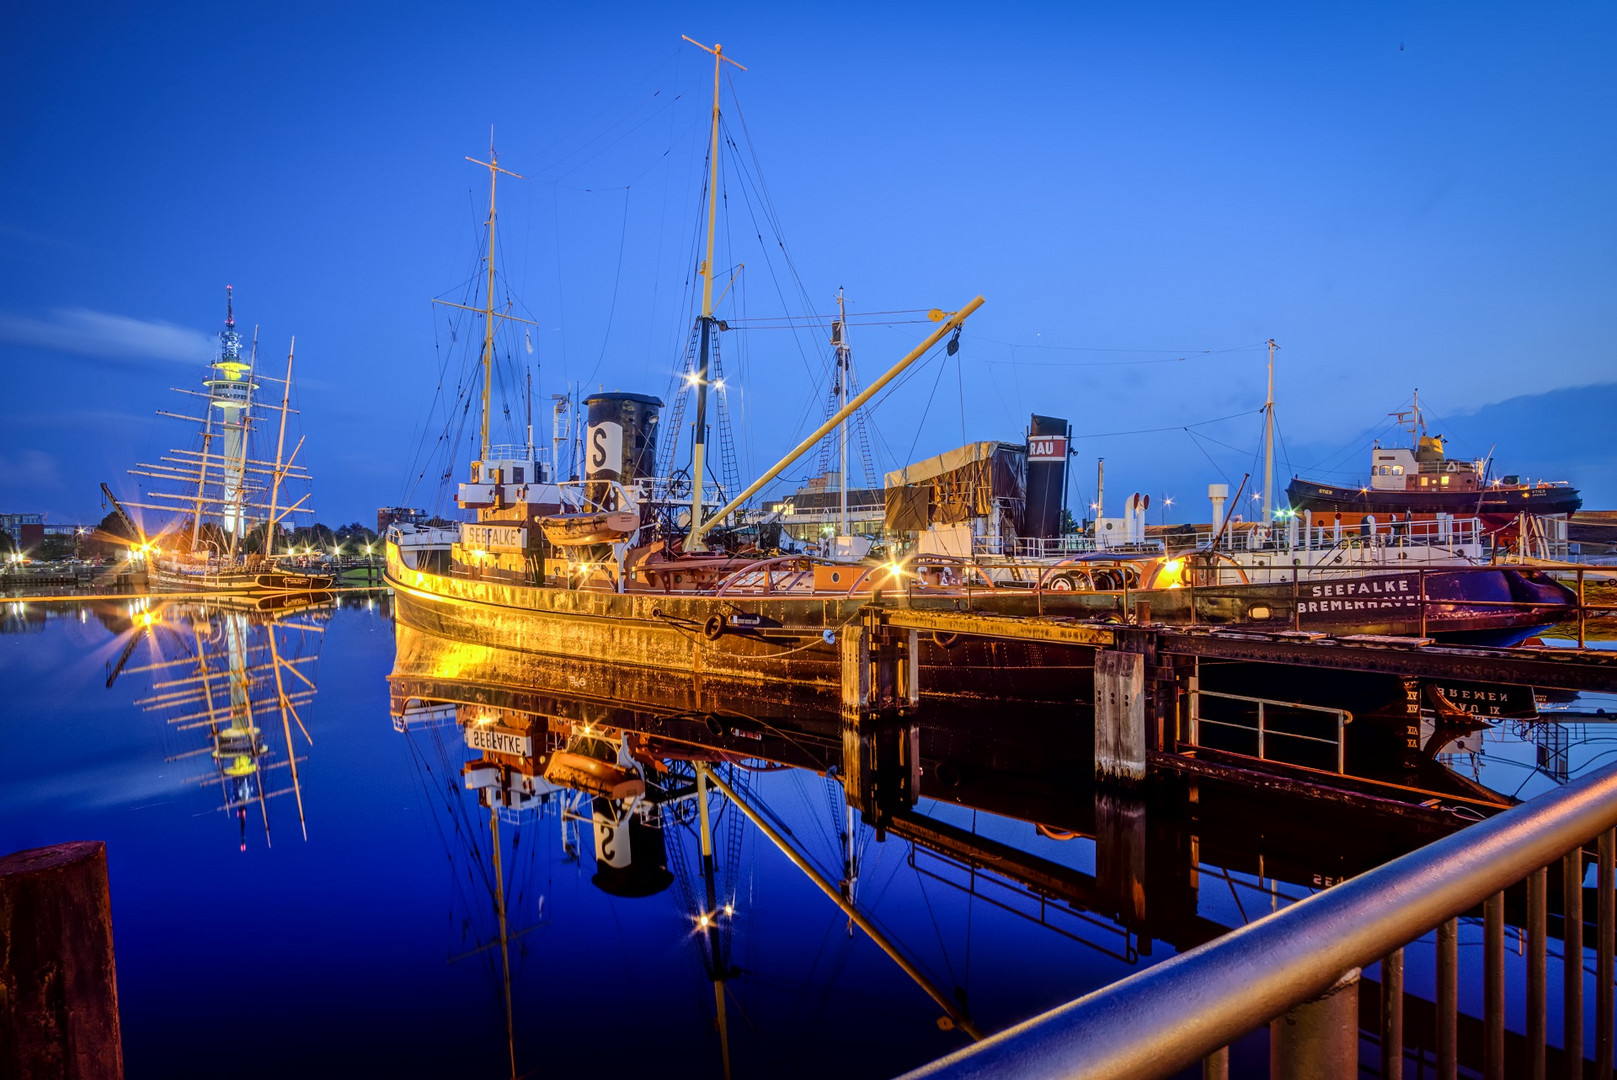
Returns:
(58, 983)
(1119, 716)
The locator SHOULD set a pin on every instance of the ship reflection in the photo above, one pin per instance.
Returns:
(232, 678)
(997, 811)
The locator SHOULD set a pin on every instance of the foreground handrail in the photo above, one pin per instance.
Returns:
(1163, 1019)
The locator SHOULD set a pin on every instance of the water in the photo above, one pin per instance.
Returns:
(373, 945)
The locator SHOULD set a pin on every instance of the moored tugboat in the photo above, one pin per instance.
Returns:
(1421, 479)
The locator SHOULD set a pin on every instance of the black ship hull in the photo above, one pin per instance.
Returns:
(1499, 502)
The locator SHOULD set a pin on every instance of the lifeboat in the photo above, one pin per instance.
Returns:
(599, 527)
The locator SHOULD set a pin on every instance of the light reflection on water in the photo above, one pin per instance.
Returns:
(373, 945)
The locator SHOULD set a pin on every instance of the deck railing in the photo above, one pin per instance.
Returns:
(1297, 970)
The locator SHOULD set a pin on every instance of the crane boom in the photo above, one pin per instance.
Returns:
(135, 531)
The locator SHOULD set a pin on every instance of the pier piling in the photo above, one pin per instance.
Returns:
(58, 983)
(1120, 742)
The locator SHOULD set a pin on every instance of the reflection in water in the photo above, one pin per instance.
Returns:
(235, 674)
(994, 811)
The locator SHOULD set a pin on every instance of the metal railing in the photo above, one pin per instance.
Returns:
(1298, 970)
(1263, 731)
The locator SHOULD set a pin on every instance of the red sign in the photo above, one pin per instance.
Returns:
(1047, 448)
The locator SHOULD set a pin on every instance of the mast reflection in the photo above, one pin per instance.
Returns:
(236, 674)
(996, 810)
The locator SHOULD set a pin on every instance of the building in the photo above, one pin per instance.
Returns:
(398, 515)
(810, 514)
(25, 530)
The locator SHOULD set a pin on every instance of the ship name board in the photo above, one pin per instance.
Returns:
(496, 741)
(1047, 448)
(1396, 592)
(494, 537)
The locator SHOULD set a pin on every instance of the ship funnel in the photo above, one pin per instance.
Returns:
(1219, 494)
(620, 440)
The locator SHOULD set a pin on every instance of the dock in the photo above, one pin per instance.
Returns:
(1148, 702)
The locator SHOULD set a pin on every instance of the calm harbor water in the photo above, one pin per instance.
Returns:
(365, 938)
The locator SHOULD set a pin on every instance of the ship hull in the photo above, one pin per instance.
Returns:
(1495, 502)
(243, 581)
(786, 640)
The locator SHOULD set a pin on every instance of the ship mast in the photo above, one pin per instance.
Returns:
(1269, 440)
(841, 340)
(693, 541)
(280, 471)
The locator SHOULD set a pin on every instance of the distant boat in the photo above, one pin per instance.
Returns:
(1422, 479)
(219, 495)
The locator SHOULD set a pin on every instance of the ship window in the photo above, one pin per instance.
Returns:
(1398, 470)
(1443, 480)
(1425, 480)
(516, 474)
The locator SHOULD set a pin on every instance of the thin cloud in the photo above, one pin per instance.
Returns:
(113, 337)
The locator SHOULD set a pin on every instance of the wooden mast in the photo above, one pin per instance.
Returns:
(1269, 441)
(693, 541)
(842, 379)
(275, 477)
(493, 167)
(487, 310)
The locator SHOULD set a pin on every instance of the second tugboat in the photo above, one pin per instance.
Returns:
(1422, 479)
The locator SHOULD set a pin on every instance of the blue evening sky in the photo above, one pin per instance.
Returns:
(1399, 196)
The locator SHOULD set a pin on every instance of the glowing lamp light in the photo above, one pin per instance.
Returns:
(703, 921)
(729, 909)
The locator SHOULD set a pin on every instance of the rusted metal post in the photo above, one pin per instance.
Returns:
(1537, 891)
(1216, 1066)
(1493, 987)
(1448, 940)
(1422, 576)
(910, 684)
(1319, 1039)
(1119, 716)
(1572, 963)
(1580, 608)
(58, 981)
(1605, 917)
(1392, 1015)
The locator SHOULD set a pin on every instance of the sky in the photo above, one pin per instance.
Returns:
(1399, 197)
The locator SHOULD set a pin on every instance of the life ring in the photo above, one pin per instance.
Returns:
(714, 628)
(944, 641)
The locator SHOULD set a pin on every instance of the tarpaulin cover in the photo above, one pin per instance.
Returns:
(956, 486)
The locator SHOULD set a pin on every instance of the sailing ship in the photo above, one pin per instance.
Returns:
(1421, 479)
(225, 504)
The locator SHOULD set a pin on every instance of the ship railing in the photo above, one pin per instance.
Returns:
(520, 452)
(1299, 972)
(1297, 532)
